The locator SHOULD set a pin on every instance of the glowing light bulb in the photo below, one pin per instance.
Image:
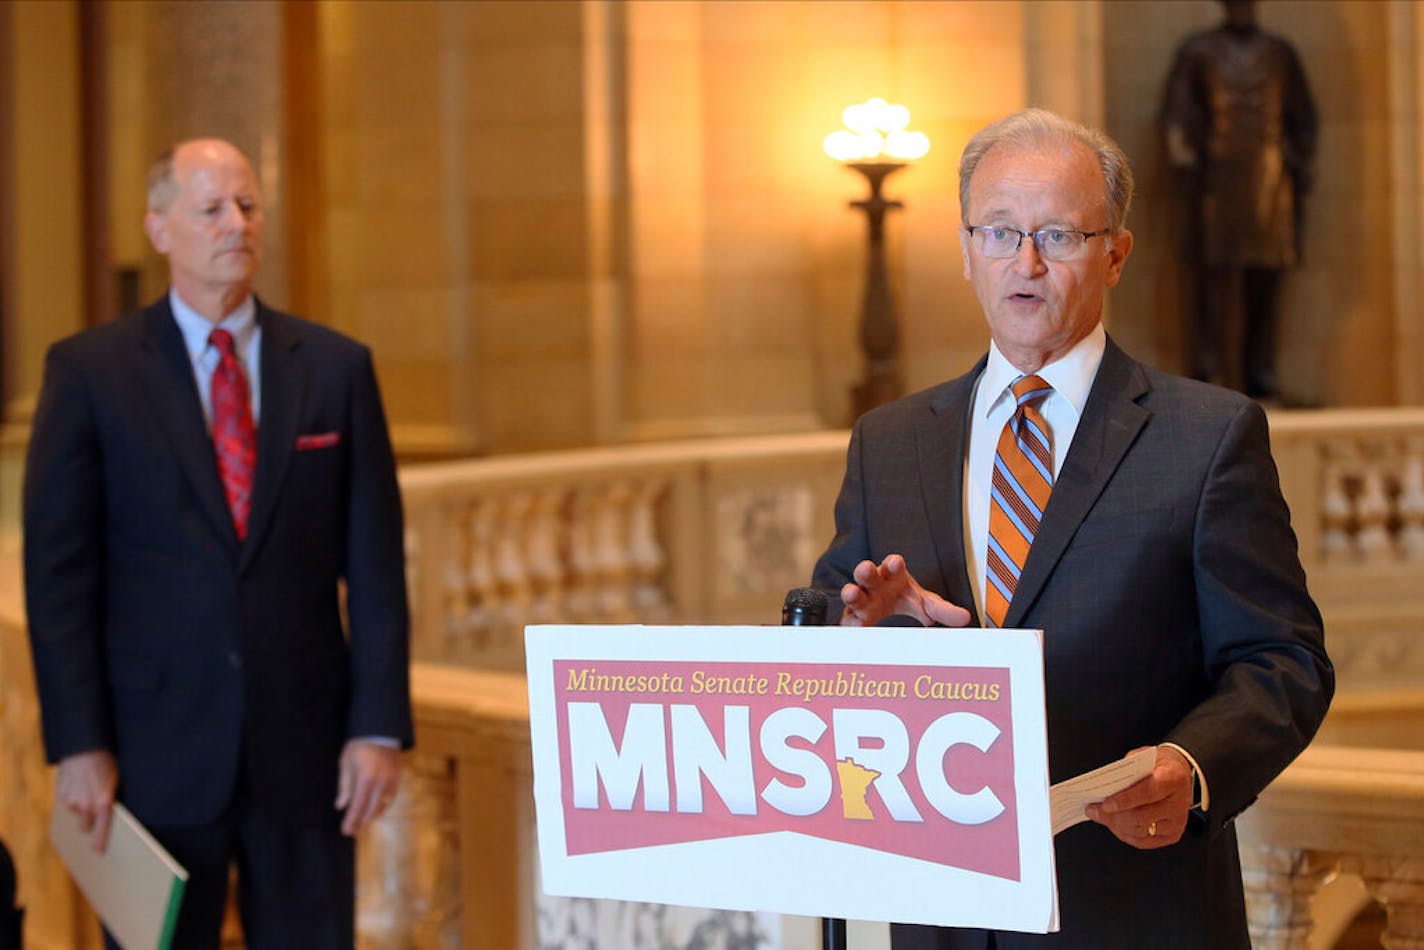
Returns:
(876, 110)
(841, 146)
(875, 130)
(895, 118)
(907, 146)
(858, 118)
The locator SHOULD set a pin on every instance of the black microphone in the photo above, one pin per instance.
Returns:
(804, 607)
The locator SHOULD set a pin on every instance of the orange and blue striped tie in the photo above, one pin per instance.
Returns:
(1019, 490)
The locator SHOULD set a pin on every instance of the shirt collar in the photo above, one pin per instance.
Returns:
(241, 323)
(1071, 375)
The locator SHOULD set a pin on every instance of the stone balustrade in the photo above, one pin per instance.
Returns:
(1337, 810)
(1355, 483)
(715, 532)
(696, 532)
(1352, 810)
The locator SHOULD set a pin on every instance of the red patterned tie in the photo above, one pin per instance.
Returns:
(1022, 482)
(234, 435)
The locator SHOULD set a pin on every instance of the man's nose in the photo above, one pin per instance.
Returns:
(233, 217)
(1028, 260)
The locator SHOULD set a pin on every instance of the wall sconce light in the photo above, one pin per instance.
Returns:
(876, 143)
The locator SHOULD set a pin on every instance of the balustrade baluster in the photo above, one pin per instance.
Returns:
(456, 604)
(1372, 513)
(1280, 886)
(511, 565)
(610, 538)
(408, 864)
(645, 554)
(1336, 512)
(543, 549)
(1411, 500)
(480, 576)
(582, 600)
(1398, 885)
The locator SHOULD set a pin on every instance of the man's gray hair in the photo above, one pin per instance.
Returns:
(1037, 127)
(160, 181)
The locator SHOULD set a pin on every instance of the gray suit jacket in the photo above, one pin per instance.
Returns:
(1166, 579)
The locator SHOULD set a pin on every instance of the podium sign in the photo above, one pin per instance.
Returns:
(876, 774)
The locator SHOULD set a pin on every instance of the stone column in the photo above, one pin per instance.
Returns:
(218, 69)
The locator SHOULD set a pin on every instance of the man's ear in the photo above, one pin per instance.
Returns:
(1118, 250)
(964, 250)
(155, 226)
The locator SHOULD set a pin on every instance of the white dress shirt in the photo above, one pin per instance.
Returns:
(1071, 377)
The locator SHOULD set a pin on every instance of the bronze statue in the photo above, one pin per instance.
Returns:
(1240, 126)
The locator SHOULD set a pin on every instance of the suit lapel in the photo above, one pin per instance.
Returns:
(167, 373)
(284, 389)
(1111, 421)
(941, 444)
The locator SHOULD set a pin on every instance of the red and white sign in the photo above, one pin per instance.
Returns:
(885, 774)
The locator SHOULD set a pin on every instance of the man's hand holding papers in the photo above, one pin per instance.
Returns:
(1152, 811)
(1069, 799)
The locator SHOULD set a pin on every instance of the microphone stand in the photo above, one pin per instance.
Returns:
(806, 607)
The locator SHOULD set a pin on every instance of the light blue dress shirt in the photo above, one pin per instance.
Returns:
(247, 344)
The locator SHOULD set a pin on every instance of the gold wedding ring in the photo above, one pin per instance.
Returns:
(1152, 829)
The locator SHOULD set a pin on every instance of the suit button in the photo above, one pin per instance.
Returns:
(234, 660)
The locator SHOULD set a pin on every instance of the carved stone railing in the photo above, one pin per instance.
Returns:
(702, 532)
(1340, 829)
(1336, 810)
(55, 914)
(1355, 483)
(452, 864)
(715, 532)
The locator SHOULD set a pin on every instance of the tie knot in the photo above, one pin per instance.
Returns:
(1026, 388)
(222, 339)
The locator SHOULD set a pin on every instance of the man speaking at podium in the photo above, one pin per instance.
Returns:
(1136, 517)
(206, 479)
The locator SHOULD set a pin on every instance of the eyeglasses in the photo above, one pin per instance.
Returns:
(1054, 244)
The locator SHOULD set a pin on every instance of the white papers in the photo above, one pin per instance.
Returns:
(134, 886)
(1069, 797)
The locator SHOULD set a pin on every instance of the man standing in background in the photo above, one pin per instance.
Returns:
(207, 479)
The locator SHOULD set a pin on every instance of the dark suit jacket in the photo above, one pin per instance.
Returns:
(1166, 580)
(200, 661)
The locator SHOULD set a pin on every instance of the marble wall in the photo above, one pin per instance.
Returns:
(746, 264)
(41, 277)
(457, 215)
(568, 223)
